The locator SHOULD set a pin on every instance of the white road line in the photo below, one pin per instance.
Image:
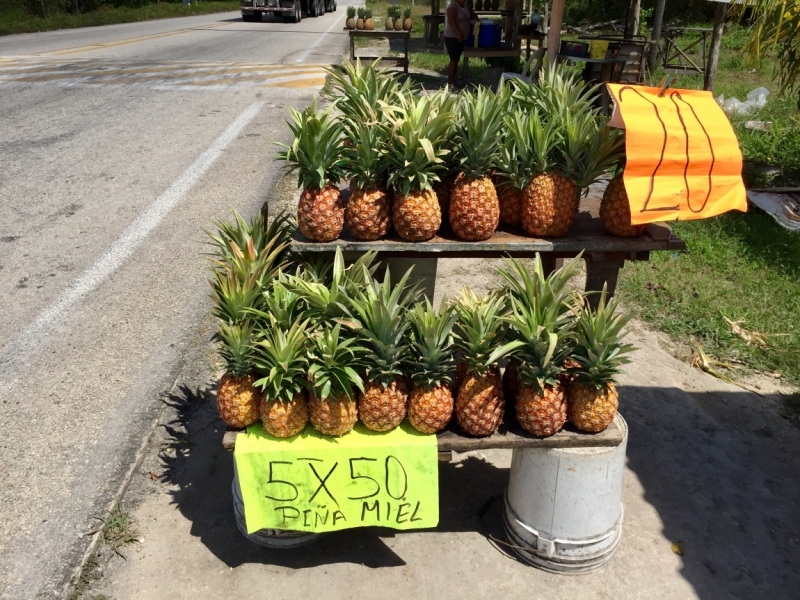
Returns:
(14, 357)
(310, 49)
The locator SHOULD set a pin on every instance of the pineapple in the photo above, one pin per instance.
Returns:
(376, 315)
(388, 24)
(592, 398)
(369, 23)
(237, 396)
(315, 155)
(332, 379)
(479, 403)
(430, 406)
(350, 23)
(367, 214)
(361, 15)
(398, 20)
(570, 153)
(281, 355)
(474, 208)
(407, 19)
(541, 326)
(513, 172)
(615, 210)
(419, 128)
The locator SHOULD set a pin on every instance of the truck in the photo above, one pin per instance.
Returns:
(292, 11)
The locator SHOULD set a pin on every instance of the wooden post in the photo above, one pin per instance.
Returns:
(554, 32)
(716, 41)
(632, 19)
(658, 19)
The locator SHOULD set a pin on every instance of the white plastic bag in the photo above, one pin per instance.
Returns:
(756, 98)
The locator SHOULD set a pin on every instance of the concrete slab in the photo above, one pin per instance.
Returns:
(708, 464)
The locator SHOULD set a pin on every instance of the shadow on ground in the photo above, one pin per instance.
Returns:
(720, 470)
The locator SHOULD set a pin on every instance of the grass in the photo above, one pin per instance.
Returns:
(118, 530)
(743, 267)
(17, 20)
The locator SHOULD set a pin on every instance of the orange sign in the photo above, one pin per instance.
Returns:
(683, 158)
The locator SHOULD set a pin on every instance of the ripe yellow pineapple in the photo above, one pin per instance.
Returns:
(474, 209)
(369, 23)
(314, 154)
(565, 144)
(615, 210)
(376, 316)
(550, 203)
(332, 378)
(420, 126)
(592, 397)
(281, 355)
(364, 162)
(237, 397)
(430, 362)
(540, 326)
(510, 199)
(407, 19)
(480, 403)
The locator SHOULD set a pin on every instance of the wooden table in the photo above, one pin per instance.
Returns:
(432, 24)
(536, 35)
(485, 53)
(400, 61)
(508, 436)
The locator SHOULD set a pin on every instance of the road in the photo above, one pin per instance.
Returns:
(119, 145)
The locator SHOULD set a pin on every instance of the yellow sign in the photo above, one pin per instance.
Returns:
(683, 158)
(316, 483)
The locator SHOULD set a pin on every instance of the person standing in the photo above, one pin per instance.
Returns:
(456, 31)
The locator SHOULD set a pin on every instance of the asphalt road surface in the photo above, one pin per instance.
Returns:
(119, 144)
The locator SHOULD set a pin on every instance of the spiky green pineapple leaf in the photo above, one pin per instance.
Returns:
(432, 343)
(281, 356)
(476, 137)
(332, 359)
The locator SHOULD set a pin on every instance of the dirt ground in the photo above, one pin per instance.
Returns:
(708, 464)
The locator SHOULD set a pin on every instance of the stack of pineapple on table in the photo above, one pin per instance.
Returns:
(314, 340)
(415, 162)
(306, 339)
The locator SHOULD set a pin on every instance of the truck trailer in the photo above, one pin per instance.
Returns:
(291, 10)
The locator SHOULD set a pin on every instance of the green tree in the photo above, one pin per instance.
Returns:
(776, 31)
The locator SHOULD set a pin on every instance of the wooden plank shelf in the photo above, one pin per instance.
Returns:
(509, 436)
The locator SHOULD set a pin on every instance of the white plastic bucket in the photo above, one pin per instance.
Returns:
(268, 538)
(563, 508)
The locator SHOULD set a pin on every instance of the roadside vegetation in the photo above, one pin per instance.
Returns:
(27, 16)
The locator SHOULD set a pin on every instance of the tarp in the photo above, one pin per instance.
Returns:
(683, 158)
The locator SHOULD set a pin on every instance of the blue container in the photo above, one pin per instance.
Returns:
(490, 34)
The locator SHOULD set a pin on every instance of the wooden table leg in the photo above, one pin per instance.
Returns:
(352, 48)
(602, 268)
(405, 44)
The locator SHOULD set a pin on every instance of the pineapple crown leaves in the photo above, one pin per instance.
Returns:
(280, 355)
(351, 12)
(376, 315)
(529, 147)
(281, 306)
(364, 160)
(430, 361)
(361, 12)
(236, 347)
(234, 294)
(315, 153)
(416, 146)
(540, 319)
(602, 148)
(325, 300)
(407, 12)
(477, 132)
(253, 247)
(333, 361)
(481, 332)
(599, 350)
(358, 88)
(367, 13)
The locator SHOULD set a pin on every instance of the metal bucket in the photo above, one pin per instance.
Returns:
(563, 507)
(268, 538)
